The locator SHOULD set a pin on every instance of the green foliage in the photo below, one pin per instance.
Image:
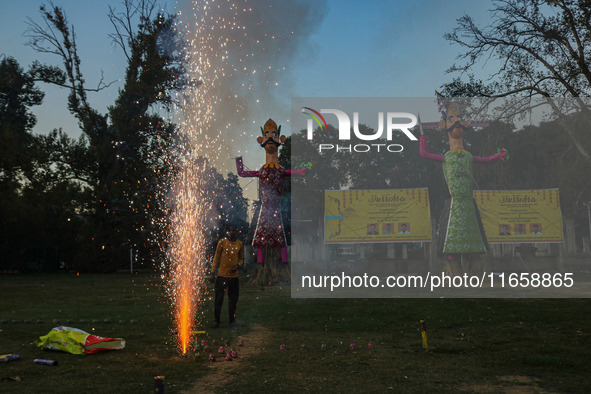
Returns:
(18, 213)
(18, 94)
(234, 204)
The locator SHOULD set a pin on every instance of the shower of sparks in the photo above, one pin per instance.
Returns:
(234, 64)
(187, 245)
(201, 123)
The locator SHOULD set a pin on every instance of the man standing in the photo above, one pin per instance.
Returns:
(229, 255)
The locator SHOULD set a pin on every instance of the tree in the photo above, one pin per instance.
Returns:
(18, 94)
(124, 161)
(235, 205)
(40, 203)
(542, 48)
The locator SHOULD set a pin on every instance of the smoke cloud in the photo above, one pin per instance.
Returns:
(242, 53)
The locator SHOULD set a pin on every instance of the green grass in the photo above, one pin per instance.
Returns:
(474, 344)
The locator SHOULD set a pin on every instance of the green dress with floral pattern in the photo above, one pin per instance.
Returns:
(463, 232)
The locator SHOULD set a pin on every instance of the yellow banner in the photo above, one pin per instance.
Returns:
(352, 216)
(516, 216)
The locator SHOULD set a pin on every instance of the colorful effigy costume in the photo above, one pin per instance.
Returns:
(463, 233)
(270, 231)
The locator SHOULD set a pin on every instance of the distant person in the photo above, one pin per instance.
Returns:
(388, 229)
(520, 230)
(504, 230)
(372, 230)
(535, 230)
(403, 229)
(229, 255)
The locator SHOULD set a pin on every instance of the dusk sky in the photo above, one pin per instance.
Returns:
(345, 49)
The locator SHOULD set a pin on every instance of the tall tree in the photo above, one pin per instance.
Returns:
(18, 94)
(540, 49)
(123, 164)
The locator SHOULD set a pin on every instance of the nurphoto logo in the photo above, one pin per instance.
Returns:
(402, 121)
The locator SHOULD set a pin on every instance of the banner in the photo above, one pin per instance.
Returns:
(519, 216)
(352, 216)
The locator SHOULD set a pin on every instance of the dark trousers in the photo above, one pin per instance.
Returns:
(221, 284)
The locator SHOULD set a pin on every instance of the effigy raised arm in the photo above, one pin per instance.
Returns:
(240, 169)
(425, 153)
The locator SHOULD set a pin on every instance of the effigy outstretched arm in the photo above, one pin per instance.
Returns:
(240, 169)
(425, 153)
(295, 172)
(489, 159)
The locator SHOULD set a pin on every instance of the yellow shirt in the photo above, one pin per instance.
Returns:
(228, 255)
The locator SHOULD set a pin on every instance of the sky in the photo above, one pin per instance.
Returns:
(343, 48)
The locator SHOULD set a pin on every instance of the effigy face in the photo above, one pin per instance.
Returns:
(271, 139)
(453, 122)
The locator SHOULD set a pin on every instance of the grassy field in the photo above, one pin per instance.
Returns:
(476, 345)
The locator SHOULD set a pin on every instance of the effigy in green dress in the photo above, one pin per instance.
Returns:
(463, 231)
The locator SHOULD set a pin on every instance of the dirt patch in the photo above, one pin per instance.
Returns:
(222, 371)
(519, 379)
(510, 384)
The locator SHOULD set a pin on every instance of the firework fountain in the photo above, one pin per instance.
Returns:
(232, 50)
(191, 204)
